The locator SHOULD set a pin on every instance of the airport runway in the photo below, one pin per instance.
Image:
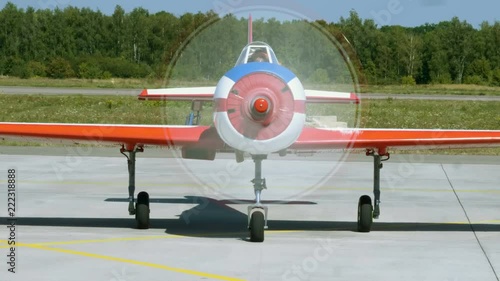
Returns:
(134, 92)
(72, 220)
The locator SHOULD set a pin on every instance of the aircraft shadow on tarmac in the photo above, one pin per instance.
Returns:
(213, 218)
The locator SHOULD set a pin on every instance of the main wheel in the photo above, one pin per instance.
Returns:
(257, 223)
(365, 213)
(143, 198)
(142, 210)
(142, 216)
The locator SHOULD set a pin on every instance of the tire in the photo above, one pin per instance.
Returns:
(257, 223)
(143, 198)
(142, 216)
(365, 214)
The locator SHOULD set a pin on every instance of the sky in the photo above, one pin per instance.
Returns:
(384, 12)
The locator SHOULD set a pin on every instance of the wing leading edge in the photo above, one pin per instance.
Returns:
(382, 139)
(110, 133)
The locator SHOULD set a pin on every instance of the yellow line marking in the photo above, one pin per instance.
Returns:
(116, 239)
(129, 261)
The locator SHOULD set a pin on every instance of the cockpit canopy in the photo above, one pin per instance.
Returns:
(257, 52)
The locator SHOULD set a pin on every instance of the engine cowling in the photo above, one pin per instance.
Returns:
(259, 108)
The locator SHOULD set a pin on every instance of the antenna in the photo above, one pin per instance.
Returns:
(250, 29)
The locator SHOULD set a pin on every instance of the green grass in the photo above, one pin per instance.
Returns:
(426, 114)
(387, 113)
(448, 89)
(114, 83)
(91, 109)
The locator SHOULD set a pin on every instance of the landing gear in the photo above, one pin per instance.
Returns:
(257, 213)
(194, 117)
(257, 225)
(141, 208)
(366, 211)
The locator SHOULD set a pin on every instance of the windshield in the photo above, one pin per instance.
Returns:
(257, 52)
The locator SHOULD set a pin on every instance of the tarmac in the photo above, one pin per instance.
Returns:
(440, 218)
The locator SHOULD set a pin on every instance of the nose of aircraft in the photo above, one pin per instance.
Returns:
(261, 105)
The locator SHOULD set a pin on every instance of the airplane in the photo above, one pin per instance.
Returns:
(259, 109)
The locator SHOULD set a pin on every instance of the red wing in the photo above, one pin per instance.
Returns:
(314, 138)
(121, 134)
(202, 136)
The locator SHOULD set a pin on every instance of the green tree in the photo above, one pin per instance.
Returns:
(59, 68)
(480, 68)
(495, 77)
(89, 71)
(436, 66)
(412, 54)
(18, 68)
(489, 38)
(457, 39)
(36, 68)
(117, 32)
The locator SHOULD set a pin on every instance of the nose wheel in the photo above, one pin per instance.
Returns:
(257, 213)
(257, 225)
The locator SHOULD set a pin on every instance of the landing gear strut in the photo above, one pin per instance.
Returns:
(141, 208)
(257, 213)
(366, 211)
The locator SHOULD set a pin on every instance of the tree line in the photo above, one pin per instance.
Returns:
(81, 42)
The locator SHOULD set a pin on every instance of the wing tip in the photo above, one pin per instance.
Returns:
(143, 95)
(355, 98)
